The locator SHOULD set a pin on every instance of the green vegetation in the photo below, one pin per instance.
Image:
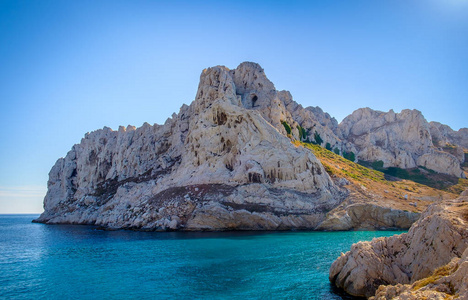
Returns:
(318, 139)
(328, 146)
(286, 127)
(460, 186)
(347, 168)
(420, 175)
(377, 165)
(465, 164)
(337, 151)
(349, 155)
(366, 172)
(302, 133)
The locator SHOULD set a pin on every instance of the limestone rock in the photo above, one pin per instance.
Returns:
(218, 164)
(401, 140)
(443, 134)
(226, 160)
(440, 235)
(447, 282)
(438, 160)
(366, 216)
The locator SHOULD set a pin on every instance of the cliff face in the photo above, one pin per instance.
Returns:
(404, 140)
(226, 161)
(440, 235)
(218, 164)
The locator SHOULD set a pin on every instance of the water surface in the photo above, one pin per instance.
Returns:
(80, 262)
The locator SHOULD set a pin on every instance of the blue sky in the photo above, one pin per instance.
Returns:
(70, 67)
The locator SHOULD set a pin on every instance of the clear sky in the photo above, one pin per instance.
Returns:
(70, 67)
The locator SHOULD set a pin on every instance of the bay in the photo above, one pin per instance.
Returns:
(81, 262)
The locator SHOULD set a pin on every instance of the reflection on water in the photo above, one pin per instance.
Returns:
(64, 261)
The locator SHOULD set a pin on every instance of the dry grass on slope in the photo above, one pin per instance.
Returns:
(368, 185)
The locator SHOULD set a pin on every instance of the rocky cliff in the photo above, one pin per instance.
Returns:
(405, 140)
(217, 164)
(226, 161)
(438, 238)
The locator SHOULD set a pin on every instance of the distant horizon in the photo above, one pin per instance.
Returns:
(74, 67)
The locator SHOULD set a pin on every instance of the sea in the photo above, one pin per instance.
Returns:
(40, 261)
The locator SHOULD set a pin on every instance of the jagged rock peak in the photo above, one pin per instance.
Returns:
(244, 85)
(220, 163)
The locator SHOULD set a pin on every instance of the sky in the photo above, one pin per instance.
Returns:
(71, 67)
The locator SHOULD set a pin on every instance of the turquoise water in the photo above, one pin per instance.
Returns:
(79, 262)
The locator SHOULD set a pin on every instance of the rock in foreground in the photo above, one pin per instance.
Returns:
(447, 282)
(438, 237)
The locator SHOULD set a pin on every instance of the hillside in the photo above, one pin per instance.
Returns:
(371, 190)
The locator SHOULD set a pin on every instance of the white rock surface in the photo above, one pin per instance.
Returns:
(248, 174)
(367, 216)
(227, 162)
(401, 140)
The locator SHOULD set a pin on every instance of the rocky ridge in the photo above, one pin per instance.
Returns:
(405, 140)
(226, 161)
(404, 264)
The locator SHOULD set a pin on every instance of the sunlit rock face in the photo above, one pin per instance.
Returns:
(397, 267)
(403, 140)
(224, 162)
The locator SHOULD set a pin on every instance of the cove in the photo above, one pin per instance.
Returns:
(80, 262)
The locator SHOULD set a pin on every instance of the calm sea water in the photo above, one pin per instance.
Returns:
(80, 262)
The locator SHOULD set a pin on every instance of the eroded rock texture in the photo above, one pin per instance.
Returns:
(226, 161)
(439, 236)
(217, 164)
(404, 140)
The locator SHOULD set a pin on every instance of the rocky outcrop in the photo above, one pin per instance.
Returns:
(447, 282)
(401, 140)
(404, 140)
(218, 164)
(443, 135)
(367, 216)
(226, 161)
(439, 236)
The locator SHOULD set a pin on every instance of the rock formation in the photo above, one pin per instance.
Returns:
(435, 240)
(443, 135)
(447, 282)
(226, 161)
(218, 164)
(367, 216)
(403, 140)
